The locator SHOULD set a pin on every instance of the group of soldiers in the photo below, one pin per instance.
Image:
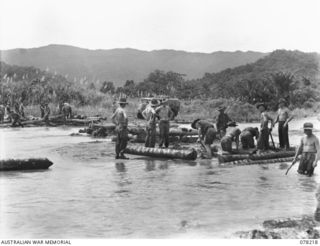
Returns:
(161, 113)
(247, 136)
(154, 112)
(309, 147)
(16, 114)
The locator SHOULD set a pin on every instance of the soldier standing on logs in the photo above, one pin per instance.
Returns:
(150, 115)
(283, 118)
(222, 122)
(120, 119)
(263, 141)
(207, 134)
(165, 114)
(309, 150)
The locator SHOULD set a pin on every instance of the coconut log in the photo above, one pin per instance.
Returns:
(24, 164)
(262, 156)
(257, 162)
(190, 154)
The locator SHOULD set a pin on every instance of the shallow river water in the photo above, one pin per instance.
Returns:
(139, 198)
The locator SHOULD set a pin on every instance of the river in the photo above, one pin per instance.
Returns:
(88, 194)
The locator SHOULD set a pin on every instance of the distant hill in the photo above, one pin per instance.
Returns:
(119, 65)
(300, 64)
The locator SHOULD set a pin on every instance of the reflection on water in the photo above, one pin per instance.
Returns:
(140, 197)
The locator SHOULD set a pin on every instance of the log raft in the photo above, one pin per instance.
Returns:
(256, 157)
(259, 162)
(189, 154)
(24, 164)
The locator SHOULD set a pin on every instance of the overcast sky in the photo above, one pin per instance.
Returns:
(192, 25)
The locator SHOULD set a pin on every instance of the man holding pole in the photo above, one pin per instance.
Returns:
(309, 149)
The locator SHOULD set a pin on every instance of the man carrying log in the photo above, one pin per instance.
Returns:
(66, 110)
(165, 115)
(247, 137)
(150, 115)
(265, 118)
(229, 138)
(283, 118)
(207, 134)
(222, 122)
(120, 119)
(309, 149)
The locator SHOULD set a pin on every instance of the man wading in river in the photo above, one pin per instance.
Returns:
(309, 149)
(265, 118)
(207, 134)
(150, 115)
(120, 119)
(283, 118)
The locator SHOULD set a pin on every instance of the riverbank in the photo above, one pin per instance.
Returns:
(189, 110)
(305, 227)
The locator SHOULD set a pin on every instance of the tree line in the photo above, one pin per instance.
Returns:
(34, 86)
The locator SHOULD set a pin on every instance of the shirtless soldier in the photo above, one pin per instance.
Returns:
(310, 151)
(283, 118)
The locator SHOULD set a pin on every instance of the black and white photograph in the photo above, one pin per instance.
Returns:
(159, 119)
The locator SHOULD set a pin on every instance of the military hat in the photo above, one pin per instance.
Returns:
(193, 125)
(123, 100)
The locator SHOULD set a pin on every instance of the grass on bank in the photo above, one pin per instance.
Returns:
(190, 110)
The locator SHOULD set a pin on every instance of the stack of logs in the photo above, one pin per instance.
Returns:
(137, 133)
(56, 120)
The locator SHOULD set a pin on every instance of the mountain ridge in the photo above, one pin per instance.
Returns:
(121, 64)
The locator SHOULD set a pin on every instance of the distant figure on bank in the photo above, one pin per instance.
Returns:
(8, 110)
(15, 118)
(229, 138)
(16, 107)
(21, 109)
(42, 106)
(114, 104)
(207, 134)
(165, 115)
(265, 118)
(247, 137)
(46, 113)
(150, 115)
(309, 149)
(66, 110)
(283, 118)
(2, 112)
(222, 122)
(120, 119)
